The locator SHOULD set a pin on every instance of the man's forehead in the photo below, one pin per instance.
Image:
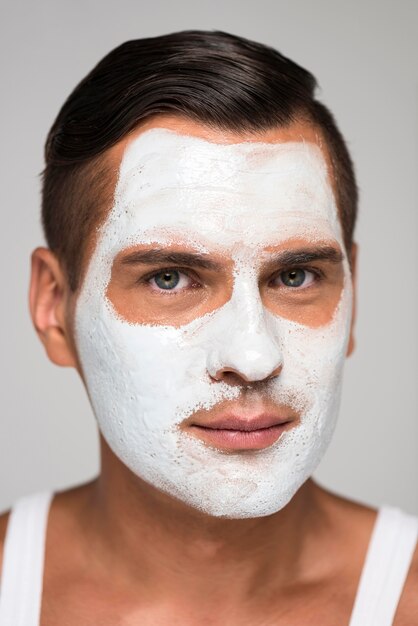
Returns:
(255, 191)
(234, 163)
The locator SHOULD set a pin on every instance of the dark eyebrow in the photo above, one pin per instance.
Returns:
(286, 258)
(308, 255)
(165, 257)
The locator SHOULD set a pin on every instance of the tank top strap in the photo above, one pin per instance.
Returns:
(23, 561)
(388, 558)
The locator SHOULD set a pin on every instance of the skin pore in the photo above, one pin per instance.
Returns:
(120, 551)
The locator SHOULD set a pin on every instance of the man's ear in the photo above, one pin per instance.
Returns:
(351, 341)
(48, 301)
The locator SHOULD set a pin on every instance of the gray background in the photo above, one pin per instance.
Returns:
(365, 57)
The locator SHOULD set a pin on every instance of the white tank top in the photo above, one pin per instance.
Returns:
(388, 558)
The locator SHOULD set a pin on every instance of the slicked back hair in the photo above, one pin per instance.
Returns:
(214, 78)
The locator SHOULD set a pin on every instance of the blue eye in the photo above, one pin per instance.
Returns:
(294, 278)
(167, 279)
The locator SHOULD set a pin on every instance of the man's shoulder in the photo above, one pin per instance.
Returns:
(4, 519)
(357, 521)
(408, 605)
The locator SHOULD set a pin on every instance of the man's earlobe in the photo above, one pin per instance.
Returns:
(351, 344)
(48, 297)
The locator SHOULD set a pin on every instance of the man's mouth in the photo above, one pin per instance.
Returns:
(235, 432)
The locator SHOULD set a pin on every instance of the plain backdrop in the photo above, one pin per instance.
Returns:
(364, 54)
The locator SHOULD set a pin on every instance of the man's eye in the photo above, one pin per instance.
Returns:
(169, 280)
(296, 278)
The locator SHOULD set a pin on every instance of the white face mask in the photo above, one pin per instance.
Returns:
(144, 380)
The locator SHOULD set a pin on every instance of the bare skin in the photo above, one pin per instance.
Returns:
(170, 565)
(120, 552)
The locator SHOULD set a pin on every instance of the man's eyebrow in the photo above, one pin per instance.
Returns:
(165, 257)
(300, 256)
(308, 255)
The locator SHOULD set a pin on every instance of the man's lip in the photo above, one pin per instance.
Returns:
(247, 424)
(236, 433)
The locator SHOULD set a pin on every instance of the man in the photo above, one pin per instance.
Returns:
(199, 207)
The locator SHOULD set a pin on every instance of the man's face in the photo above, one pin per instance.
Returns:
(214, 316)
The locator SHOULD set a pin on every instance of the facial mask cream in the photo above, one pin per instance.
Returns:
(145, 379)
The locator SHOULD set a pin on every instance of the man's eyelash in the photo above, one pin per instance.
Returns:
(196, 283)
(316, 271)
(181, 270)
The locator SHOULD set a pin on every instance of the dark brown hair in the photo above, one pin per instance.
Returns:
(211, 77)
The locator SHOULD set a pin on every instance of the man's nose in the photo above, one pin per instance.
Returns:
(247, 350)
(246, 364)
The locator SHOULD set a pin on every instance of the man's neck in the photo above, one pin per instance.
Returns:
(151, 538)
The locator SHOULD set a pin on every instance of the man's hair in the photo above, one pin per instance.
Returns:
(214, 78)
